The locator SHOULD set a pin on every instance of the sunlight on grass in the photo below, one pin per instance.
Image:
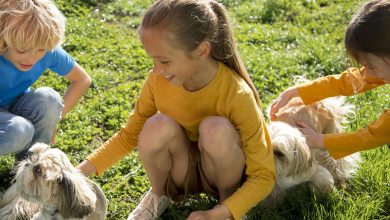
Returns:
(278, 39)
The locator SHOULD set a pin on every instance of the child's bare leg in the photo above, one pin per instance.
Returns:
(163, 149)
(222, 157)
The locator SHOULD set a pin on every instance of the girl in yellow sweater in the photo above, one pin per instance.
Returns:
(367, 40)
(197, 124)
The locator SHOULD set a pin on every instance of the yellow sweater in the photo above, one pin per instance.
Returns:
(227, 95)
(348, 83)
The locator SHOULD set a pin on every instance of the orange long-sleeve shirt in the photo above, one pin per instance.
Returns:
(348, 83)
(227, 95)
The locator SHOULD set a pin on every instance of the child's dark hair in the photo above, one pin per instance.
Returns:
(190, 22)
(369, 30)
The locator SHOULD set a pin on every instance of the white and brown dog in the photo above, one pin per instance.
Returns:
(47, 186)
(295, 162)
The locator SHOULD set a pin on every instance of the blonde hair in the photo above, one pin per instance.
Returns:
(191, 22)
(30, 24)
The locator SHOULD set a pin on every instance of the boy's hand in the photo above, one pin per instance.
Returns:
(219, 212)
(313, 139)
(87, 168)
(282, 100)
(53, 137)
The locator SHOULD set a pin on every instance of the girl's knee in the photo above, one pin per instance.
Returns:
(157, 129)
(218, 135)
(215, 125)
(159, 124)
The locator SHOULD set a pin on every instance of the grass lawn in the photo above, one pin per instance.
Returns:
(278, 40)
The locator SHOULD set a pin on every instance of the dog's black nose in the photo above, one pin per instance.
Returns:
(37, 170)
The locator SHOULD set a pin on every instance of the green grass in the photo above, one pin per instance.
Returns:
(278, 39)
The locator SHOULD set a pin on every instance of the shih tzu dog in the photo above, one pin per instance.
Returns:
(48, 187)
(295, 162)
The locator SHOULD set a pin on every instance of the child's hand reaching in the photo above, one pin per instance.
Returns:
(282, 100)
(87, 168)
(53, 137)
(313, 139)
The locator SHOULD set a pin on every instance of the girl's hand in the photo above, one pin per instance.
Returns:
(282, 100)
(200, 215)
(87, 168)
(313, 139)
(219, 212)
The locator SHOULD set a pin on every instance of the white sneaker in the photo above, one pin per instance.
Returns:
(150, 207)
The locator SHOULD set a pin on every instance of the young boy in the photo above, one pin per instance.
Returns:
(30, 34)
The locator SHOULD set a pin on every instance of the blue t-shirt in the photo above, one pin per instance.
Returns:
(14, 82)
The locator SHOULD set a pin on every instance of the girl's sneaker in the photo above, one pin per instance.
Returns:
(150, 207)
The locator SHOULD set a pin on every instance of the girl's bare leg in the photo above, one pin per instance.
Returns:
(222, 157)
(163, 149)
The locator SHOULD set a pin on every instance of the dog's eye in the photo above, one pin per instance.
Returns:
(278, 154)
(37, 170)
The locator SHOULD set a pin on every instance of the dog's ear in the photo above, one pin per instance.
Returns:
(302, 156)
(38, 148)
(77, 199)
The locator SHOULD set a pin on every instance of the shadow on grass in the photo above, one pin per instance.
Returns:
(298, 200)
(6, 172)
(180, 211)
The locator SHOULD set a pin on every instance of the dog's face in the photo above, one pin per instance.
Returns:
(47, 177)
(292, 155)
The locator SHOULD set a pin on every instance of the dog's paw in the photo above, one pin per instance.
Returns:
(322, 182)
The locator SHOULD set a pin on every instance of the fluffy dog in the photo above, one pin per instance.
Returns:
(47, 187)
(295, 162)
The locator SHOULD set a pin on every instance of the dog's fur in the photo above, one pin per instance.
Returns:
(295, 162)
(47, 186)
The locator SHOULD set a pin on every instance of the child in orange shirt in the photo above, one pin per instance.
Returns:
(367, 40)
(197, 123)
